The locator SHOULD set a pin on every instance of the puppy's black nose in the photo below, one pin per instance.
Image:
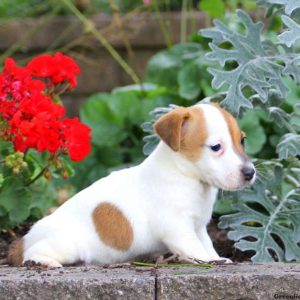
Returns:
(248, 173)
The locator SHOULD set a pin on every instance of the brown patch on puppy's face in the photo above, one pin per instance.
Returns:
(183, 130)
(112, 226)
(235, 132)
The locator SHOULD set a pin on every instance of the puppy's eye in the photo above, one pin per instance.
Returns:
(216, 147)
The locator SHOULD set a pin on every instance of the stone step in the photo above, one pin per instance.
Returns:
(233, 282)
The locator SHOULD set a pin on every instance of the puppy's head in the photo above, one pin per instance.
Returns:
(209, 138)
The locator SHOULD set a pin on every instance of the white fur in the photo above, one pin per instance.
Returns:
(167, 199)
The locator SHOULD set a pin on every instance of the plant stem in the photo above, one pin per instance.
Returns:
(40, 174)
(142, 264)
(162, 25)
(15, 47)
(90, 27)
(183, 22)
(118, 19)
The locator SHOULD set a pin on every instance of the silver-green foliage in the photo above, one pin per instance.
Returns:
(267, 216)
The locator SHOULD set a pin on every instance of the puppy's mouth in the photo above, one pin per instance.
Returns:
(236, 186)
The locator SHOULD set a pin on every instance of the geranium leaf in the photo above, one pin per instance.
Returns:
(15, 199)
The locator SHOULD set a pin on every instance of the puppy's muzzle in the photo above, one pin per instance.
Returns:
(248, 173)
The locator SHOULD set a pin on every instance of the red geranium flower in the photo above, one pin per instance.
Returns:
(76, 137)
(55, 69)
(33, 120)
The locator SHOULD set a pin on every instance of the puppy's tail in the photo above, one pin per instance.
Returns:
(15, 253)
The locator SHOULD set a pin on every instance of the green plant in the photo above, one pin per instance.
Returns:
(115, 120)
(266, 217)
(35, 137)
(258, 82)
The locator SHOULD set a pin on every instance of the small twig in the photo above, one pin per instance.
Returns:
(90, 26)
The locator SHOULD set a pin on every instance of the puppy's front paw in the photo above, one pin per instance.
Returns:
(221, 260)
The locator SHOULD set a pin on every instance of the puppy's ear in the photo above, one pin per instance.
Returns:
(170, 127)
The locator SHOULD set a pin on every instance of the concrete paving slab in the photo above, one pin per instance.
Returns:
(78, 283)
(232, 282)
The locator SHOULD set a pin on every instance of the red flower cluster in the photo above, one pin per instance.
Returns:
(31, 119)
(55, 69)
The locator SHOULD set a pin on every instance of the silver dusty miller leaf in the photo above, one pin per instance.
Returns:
(289, 5)
(278, 218)
(151, 140)
(289, 145)
(256, 69)
(286, 8)
(290, 36)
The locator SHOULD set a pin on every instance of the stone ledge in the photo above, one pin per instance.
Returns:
(232, 282)
(242, 281)
(78, 283)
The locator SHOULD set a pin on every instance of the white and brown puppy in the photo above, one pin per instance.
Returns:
(162, 204)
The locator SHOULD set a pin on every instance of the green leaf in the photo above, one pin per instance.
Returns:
(289, 5)
(291, 68)
(103, 158)
(215, 9)
(295, 117)
(101, 116)
(257, 74)
(278, 116)
(255, 134)
(163, 68)
(189, 81)
(263, 213)
(289, 145)
(40, 205)
(151, 142)
(15, 199)
(290, 36)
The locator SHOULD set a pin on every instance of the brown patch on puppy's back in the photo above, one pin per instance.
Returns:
(112, 226)
(15, 253)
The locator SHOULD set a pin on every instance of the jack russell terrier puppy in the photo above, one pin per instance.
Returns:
(162, 204)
